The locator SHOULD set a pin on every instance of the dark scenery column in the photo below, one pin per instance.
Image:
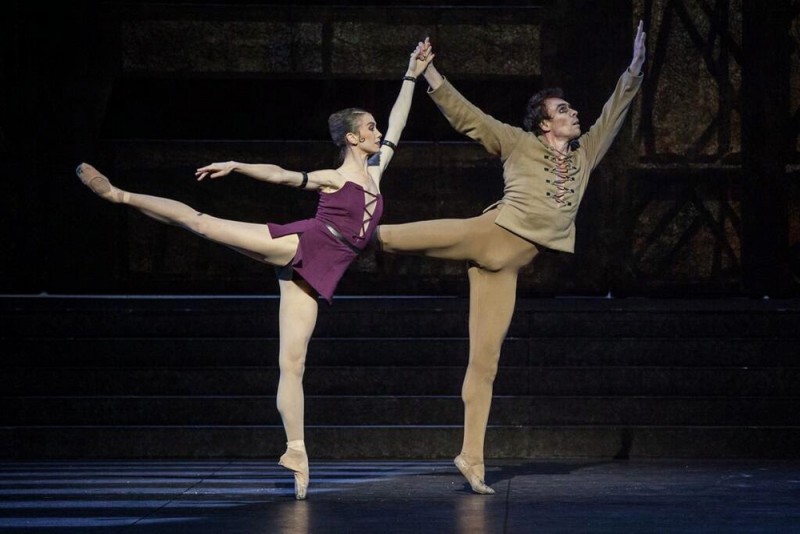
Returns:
(765, 146)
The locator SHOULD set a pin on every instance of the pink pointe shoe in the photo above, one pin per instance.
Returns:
(297, 461)
(474, 475)
(99, 184)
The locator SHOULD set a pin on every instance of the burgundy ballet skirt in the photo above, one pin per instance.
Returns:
(321, 257)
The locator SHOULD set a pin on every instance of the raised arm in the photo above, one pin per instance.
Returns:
(598, 139)
(497, 137)
(417, 63)
(273, 174)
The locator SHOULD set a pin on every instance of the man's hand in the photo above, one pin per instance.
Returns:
(421, 57)
(635, 67)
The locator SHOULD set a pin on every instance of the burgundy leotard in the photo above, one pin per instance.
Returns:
(321, 258)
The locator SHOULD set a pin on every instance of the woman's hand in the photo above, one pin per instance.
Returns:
(215, 170)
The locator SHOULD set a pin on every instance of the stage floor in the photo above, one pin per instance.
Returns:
(246, 496)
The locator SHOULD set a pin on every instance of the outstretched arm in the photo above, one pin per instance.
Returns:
(417, 63)
(497, 137)
(267, 172)
(639, 51)
(598, 139)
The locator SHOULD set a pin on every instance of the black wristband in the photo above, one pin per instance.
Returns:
(410, 79)
(389, 144)
(305, 180)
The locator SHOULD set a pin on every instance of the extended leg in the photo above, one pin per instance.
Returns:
(298, 315)
(251, 239)
(450, 239)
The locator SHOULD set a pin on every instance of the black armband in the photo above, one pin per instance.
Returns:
(305, 180)
(410, 79)
(389, 144)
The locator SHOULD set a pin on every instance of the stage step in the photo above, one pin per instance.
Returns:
(195, 377)
(415, 410)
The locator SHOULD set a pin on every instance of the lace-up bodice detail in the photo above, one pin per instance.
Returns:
(370, 205)
(561, 176)
(353, 211)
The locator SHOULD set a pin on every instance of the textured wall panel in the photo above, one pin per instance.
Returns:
(201, 46)
(691, 100)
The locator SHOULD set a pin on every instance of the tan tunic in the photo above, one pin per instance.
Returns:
(543, 188)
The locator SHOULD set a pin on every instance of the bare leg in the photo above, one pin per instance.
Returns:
(251, 239)
(298, 316)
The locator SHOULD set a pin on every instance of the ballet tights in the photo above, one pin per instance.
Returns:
(495, 257)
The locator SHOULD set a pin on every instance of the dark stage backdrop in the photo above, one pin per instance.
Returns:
(698, 196)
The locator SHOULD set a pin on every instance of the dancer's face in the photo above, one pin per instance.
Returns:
(368, 131)
(563, 122)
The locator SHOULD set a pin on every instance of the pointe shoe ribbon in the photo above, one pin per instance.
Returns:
(297, 461)
(470, 472)
(99, 184)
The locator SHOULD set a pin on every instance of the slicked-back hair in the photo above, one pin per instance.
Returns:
(536, 111)
(340, 124)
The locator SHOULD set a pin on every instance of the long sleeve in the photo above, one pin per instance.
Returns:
(498, 138)
(598, 139)
(542, 188)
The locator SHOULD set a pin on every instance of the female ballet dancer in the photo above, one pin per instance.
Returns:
(310, 255)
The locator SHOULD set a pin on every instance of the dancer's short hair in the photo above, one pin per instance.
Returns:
(536, 111)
